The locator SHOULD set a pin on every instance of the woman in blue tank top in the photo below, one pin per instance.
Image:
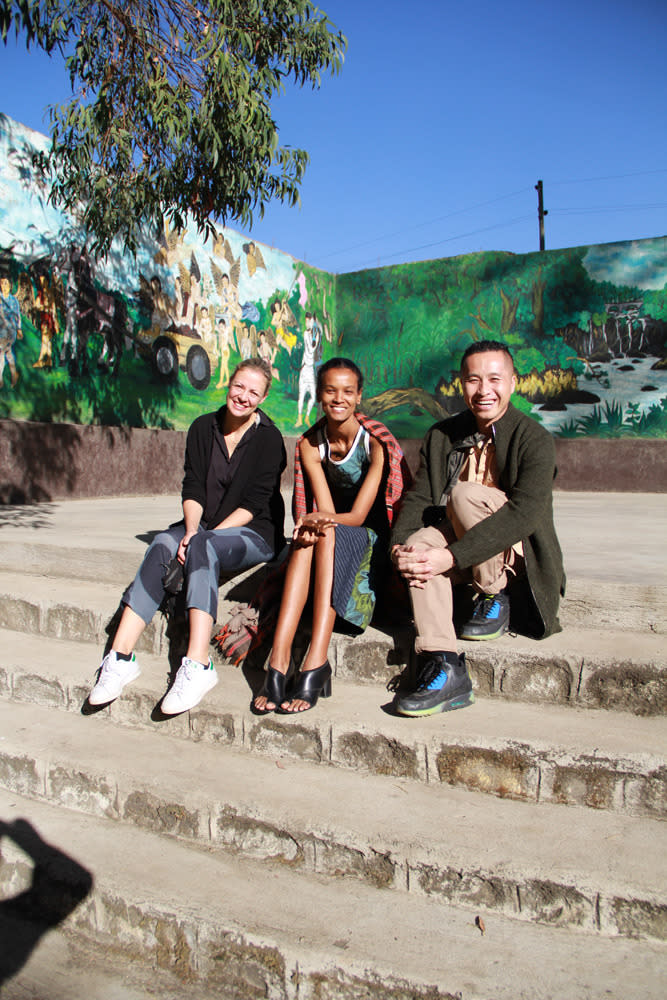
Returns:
(344, 468)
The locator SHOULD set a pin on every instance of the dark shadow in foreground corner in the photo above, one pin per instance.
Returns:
(58, 885)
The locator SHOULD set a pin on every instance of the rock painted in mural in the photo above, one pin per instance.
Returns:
(150, 341)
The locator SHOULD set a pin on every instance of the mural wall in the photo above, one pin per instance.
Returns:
(145, 342)
(150, 342)
(587, 328)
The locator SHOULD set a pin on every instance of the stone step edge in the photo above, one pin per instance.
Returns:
(566, 898)
(521, 669)
(638, 607)
(429, 751)
(316, 946)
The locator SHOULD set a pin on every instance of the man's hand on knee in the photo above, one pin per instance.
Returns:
(419, 565)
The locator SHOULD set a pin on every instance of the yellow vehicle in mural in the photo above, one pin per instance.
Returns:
(168, 350)
(181, 334)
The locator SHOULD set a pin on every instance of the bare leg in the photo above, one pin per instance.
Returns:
(128, 632)
(295, 595)
(324, 616)
(201, 625)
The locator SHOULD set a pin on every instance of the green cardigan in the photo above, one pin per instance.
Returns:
(526, 459)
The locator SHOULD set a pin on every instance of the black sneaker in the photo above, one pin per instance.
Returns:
(443, 685)
(490, 619)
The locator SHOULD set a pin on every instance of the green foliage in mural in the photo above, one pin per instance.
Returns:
(425, 315)
(612, 421)
(408, 326)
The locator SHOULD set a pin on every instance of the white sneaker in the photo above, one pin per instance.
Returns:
(112, 677)
(191, 683)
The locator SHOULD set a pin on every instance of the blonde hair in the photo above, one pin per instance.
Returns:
(255, 364)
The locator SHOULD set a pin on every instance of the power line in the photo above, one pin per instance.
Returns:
(421, 225)
(499, 225)
(607, 208)
(610, 177)
(450, 239)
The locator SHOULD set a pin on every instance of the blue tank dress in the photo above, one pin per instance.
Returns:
(359, 551)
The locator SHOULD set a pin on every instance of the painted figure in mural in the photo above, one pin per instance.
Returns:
(229, 303)
(245, 344)
(25, 294)
(233, 518)
(480, 512)
(204, 326)
(47, 321)
(281, 318)
(224, 351)
(80, 303)
(69, 344)
(312, 355)
(268, 353)
(182, 299)
(112, 322)
(254, 257)
(161, 306)
(348, 477)
(10, 330)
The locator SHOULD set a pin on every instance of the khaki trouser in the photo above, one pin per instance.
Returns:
(468, 504)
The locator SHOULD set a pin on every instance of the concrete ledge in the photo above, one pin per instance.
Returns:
(43, 462)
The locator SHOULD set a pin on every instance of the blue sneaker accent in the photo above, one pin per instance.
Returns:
(438, 689)
(438, 682)
(490, 619)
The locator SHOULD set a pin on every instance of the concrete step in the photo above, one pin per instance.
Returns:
(533, 753)
(540, 864)
(608, 668)
(613, 581)
(239, 929)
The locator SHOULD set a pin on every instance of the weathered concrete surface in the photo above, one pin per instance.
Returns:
(600, 666)
(44, 462)
(337, 800)
(606, 668)
(257, 937)
(547, 864)
(614, 581)
(592, 527)
(531, 752)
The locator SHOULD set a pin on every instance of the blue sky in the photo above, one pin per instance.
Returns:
(431, 140)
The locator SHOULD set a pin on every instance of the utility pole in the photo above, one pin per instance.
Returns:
(540, 211)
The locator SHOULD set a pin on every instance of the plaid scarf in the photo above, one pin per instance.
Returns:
(398, 480)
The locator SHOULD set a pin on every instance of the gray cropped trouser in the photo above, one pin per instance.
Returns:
(209, 553)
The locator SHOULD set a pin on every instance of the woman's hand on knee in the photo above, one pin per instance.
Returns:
(181, 552)
(311, 527)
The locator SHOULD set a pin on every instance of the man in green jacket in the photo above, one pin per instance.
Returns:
(480, 512)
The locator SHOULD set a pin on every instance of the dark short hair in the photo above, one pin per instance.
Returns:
(485, 346)
(257, 365)
(340, 363)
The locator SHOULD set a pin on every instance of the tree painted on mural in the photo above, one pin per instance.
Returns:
(171, 106)
(409, 325)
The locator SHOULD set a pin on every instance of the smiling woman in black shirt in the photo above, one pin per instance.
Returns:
(233, 518)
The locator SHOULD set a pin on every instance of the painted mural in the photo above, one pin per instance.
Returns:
(150, 341)
(587, 328)
(147, 341)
